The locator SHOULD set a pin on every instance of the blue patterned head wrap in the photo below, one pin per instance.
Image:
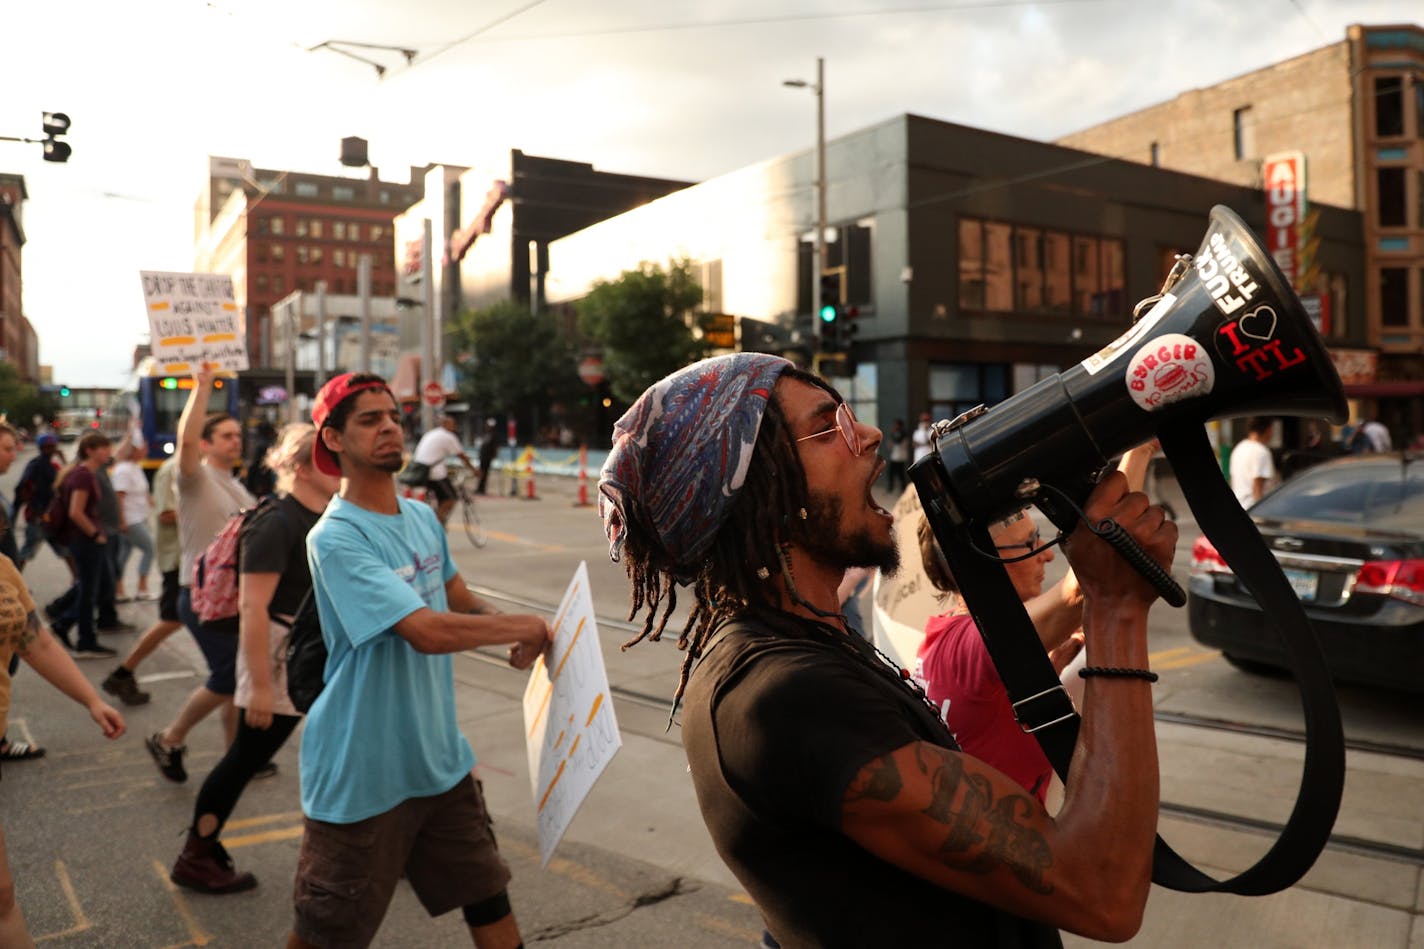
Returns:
(681, 453)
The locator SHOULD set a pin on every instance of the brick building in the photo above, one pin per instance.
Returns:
(280, 231)
(1355, 109)
(17, 337)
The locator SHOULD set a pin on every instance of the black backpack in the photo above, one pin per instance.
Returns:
(306, 655)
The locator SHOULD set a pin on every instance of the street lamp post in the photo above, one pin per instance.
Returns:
(818, 257)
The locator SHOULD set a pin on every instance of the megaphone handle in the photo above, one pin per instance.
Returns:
(1121, 541)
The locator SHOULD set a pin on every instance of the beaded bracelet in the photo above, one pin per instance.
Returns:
(1116, 672)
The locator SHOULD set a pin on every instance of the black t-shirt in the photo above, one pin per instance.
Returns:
(778, 721)
(274, 540)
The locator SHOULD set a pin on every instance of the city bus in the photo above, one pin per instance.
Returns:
(151, 403)
(69, 424)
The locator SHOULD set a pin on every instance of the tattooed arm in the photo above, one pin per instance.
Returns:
(953, 820)
(47, 657)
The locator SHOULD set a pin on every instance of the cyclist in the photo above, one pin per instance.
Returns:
(431, 452)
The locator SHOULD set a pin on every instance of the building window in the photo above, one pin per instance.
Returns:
(303, 254)
(1004, 268)
(262, 283)
(853, 251)
(259, 252)
(971, 264)
(709, 277)
(1156, 154)
(279, 252)
(343, 193)
(1394, 296)
(1419, 105)
(378, 233)
(955, 388)
(301, 229)
(1028, 264)
(1389, 106)
(1057, 273)
(315, 228)
(306, 189)
(262, 226)
(316, 255)
(1390, 206)
(1243, 133)
(1419, 198)
(279, 226)
(339, 258)
(279, 284)
(338, 230)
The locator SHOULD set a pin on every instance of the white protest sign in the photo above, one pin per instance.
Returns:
(568, 717)
(193, 318)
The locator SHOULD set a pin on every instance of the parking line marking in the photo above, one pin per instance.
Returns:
(81, 922)
(1153, 657)
(265, 837)
(198, 937)
(1195, 659)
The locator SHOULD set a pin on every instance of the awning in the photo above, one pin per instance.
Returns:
(1396, 389)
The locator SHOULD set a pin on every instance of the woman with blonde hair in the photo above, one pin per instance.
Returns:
(273, 578)
(134, 506)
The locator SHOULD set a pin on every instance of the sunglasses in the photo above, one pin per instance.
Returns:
(1033, 541)
(845, 424)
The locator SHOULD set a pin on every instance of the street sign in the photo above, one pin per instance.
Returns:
(719, 330)
(590, 370)
(434, 393)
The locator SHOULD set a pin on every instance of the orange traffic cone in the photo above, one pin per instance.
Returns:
(583, 477)
(529, 494)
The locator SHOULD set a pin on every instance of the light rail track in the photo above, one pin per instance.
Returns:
(1338, 842)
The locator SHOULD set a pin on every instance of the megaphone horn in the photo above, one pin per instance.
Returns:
(1226, 337)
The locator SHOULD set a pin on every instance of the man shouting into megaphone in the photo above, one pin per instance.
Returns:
(830, 786)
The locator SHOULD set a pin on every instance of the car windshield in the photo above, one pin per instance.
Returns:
(1382, 494)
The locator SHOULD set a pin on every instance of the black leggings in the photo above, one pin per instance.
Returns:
(250, 750)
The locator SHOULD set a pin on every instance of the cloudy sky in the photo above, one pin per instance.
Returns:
(687, 89)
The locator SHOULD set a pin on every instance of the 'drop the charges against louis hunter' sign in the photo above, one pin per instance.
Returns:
(194, 318)
(568, 717)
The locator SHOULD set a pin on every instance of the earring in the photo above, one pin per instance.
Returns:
(801, 512)
(763, 573)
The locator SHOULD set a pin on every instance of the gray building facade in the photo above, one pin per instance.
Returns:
(978, 263)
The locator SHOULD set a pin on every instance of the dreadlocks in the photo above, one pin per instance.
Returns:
(745, 553)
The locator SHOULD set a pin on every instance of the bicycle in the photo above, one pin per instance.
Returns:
(464, 486)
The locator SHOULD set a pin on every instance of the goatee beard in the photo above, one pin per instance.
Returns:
(820, 534)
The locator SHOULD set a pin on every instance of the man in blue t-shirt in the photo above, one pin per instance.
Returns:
(386, 784)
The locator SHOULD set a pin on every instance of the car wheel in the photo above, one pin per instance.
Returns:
(1254, 667)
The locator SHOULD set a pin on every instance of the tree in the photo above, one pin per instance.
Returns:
(642, 322)
(20, 402)
(513, 361)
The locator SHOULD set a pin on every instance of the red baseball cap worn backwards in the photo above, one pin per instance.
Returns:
(331, 395)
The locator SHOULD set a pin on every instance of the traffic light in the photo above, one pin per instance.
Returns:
(55, 124)
(829, 318)
(64, 392)
(846, 326)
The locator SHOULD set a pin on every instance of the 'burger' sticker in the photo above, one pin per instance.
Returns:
(1169, 369)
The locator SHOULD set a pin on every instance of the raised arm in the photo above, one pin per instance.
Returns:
(954, 821)
(190, 423)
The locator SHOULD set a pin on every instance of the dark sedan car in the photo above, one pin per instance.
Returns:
(1349, 535)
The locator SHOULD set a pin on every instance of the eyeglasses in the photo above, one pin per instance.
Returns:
(1033, 541)
(845, 424)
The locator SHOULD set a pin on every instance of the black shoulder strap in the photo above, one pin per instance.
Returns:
(1043, 707)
